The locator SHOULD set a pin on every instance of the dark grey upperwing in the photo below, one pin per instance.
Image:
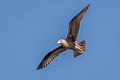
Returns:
(74, 25)
(50, 56)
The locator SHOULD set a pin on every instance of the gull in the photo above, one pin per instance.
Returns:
(70, 43)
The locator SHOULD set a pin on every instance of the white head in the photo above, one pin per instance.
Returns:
(63, 42)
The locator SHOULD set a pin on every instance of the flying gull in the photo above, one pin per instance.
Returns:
(70, 43)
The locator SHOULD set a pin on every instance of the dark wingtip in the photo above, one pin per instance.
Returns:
(82, 13)
(39, 67)
(88, 6)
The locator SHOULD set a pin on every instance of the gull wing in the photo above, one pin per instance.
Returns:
(74, 25)
(50, 57)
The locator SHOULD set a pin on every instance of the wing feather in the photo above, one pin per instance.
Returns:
(74, 25)
(50, 57)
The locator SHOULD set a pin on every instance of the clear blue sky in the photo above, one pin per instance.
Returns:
(30, 28)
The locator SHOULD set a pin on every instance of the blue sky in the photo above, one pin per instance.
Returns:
(30, 28)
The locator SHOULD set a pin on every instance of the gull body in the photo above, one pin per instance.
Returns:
(70, 43)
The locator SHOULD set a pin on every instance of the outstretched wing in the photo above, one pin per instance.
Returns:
(74, 25)
(50, 56)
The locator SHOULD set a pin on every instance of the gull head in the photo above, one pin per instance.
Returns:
(63, 42)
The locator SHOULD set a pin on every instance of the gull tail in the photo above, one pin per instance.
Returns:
(83, 47)
(83, 44)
